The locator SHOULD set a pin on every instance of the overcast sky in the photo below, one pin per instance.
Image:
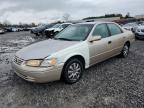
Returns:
(27, 11)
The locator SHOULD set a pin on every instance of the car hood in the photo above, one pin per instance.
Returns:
(37, 29)
(43, 49)
(141, 27)
(57, 29)
(50, 29)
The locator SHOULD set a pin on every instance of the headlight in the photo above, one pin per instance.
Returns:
(33, 63)
(138, 30)
(49, 62)
(42, 63)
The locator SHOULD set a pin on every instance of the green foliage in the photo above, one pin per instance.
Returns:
(105, 16)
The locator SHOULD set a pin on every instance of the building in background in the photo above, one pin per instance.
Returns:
(139, 16)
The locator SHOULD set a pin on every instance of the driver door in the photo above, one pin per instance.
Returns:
(101, 49)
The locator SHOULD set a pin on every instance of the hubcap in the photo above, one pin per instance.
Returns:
(74, 71)
(125, 50)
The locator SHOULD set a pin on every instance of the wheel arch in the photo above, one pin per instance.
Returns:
(128, 43)
(79, 57)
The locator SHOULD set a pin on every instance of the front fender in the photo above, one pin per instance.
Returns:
(78, 49)
(76, 54)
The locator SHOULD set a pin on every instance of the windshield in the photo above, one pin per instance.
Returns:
(56, 26)
(75, 32)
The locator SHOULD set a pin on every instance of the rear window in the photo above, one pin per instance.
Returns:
(114, 29)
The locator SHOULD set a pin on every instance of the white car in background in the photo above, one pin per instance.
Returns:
(2, 31)
(14, 29)
(130, 26)
(56, 29)
(140, 32)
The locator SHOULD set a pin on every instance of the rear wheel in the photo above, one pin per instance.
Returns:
(72, 71)
(125, 51)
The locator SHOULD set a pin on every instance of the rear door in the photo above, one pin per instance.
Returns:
(117, 38)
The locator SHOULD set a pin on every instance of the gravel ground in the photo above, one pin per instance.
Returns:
(114, 83)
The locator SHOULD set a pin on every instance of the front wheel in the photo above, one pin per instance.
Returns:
(125, 51)
(72, 71)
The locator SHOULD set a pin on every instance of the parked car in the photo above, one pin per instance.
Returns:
(19, 29)
(55, 29)
(2, 31)
(140, 32)
(8, 29)
(29, 28)
(72, 51)
(12, 29)
(40, 29)
(130, 26)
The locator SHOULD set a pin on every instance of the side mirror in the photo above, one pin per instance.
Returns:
(95, 38)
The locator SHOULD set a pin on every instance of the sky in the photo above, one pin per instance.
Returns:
(46, 11)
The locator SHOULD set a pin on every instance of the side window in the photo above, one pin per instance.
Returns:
(65, 25)
(114, 29)
(101, 30)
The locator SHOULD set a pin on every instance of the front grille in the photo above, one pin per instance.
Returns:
(18, 60)
(49, 34)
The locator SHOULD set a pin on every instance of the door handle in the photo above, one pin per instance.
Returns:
(109, 42)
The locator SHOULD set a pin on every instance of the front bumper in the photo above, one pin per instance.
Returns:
(140, 35)
(2, 32)
(37, 74)
(50, 34)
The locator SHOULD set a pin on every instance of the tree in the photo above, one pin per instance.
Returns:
(1, 25)
(66, 17)
(105, 16)
(33, 24)
(128, 15)
(6, 23)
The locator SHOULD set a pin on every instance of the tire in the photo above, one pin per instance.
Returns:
(72, 71)
(125, 51)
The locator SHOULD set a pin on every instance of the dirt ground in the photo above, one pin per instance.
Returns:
(114, 83)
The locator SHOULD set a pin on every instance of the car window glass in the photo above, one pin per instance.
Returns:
(65, 25)
(56, 26)
(75, 32)
(101, 30)
(114, 29)
(60, 27)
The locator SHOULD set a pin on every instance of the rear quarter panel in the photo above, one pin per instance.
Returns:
(129, 36)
